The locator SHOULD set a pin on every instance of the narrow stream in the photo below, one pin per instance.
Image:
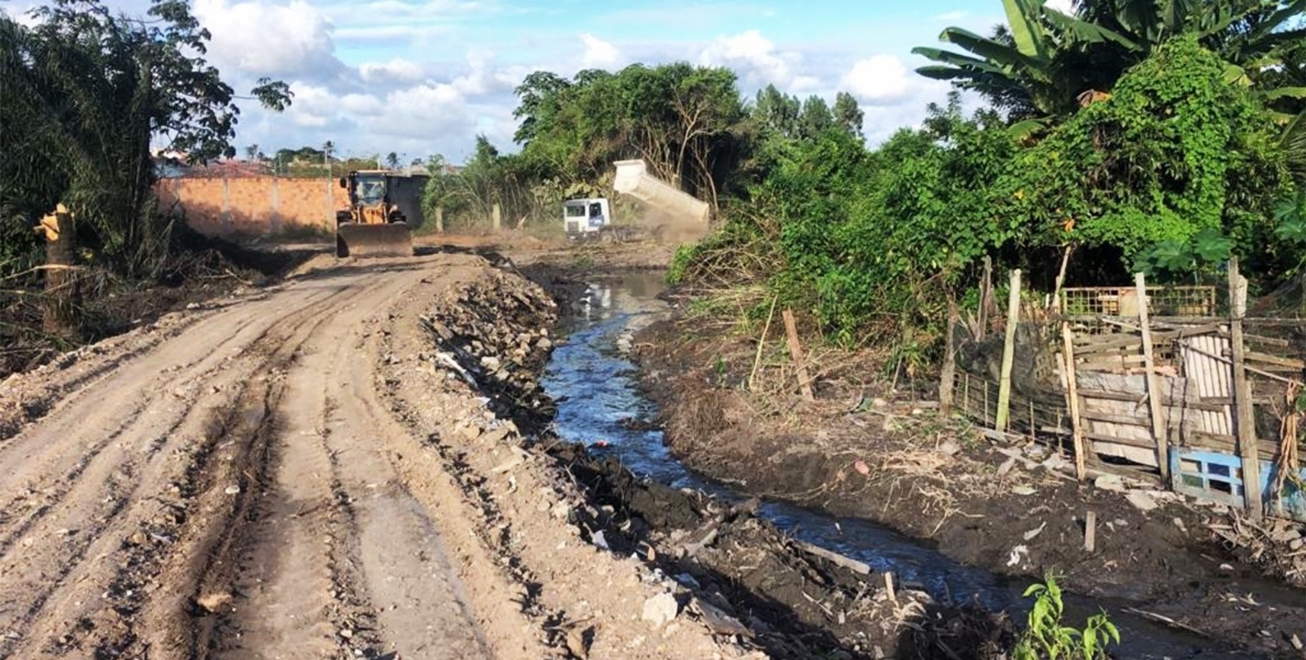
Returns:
(595, 386)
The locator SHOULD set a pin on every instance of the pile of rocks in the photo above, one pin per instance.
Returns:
(494, 333)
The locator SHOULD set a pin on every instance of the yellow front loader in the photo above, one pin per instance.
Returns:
(374, 225)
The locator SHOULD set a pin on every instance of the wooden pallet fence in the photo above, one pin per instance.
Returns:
(1187, 399)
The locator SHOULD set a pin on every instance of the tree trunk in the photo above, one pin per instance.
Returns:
(62, 295)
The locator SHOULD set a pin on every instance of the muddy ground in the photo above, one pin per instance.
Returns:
(861, 451)
(355, 461)
(276, 474)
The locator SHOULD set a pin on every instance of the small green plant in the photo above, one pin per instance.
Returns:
(720, 369)
(1046, 638)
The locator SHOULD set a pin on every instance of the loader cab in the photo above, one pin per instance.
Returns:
(371, 199)
(586, 216)
(365, 188)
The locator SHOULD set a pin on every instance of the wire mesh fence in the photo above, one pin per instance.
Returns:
(1174, 301)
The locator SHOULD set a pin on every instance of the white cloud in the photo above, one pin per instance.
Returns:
(599, 54)
(313, 105)
(755, 58)
(1063, 6)
(484, 77)
(261, 37)
(880, 80)
(951, 16)
(21, 14)
(396, 70)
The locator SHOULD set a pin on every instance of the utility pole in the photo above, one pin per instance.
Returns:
(326, 161)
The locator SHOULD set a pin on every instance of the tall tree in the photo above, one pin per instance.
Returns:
(93, 89)
(848, 114)
(815, 118)
(777, 111)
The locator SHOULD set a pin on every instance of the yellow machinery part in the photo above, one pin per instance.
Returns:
(374, 240)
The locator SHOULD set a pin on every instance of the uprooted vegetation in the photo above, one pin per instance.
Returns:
(103, 303)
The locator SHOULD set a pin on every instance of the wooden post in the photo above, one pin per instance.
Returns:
(496, 216)
(986, 298)
(1242, 394)
(948, 373)
(439, 219)
(1072, 400)
(986, 401)
(1090, 532)
(1160, 428)
(796, 352)
(1008, 353)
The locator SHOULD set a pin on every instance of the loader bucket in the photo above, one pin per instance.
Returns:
(380, 240)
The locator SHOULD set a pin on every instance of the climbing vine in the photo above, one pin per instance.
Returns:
(1175, 151)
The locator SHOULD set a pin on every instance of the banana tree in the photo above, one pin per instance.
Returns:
(1048, 59)
(1015, 68)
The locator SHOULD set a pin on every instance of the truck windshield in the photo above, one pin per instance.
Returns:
(575, 211)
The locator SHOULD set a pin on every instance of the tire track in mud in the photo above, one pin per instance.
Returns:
(159, 517)
(342, 560)
(48, 461)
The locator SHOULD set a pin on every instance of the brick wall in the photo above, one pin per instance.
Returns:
(254, 206)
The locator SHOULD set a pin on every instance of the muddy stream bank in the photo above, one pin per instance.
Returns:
(646, 498)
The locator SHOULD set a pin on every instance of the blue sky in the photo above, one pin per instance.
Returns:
(425, 76)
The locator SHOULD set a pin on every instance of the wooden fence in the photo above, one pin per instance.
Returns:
(1176, 386)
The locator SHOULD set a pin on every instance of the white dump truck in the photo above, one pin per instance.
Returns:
(592, 217)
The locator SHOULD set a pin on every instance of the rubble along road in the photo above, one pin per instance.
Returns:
(251, 480)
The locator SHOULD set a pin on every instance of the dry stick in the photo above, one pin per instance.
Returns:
(1159, 428)
(888, 586)
(1289, 462)
(861, 568)
(1008, 353)
(796, 352)
(1072, 399)
(757, 361)
(1061, 279)
(1090, 532)
(1242, 395)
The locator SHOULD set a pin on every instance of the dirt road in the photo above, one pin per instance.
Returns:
(251, 480)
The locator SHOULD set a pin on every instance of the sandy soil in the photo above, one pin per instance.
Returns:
(263, 477)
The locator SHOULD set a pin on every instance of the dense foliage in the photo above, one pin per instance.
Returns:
(1178, 156)
(86, 92)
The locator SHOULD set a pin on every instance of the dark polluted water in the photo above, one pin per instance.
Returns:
(595, 386)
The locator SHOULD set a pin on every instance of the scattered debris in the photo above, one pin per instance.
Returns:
(1142, 500)
(660, 609)
(1110, 482)
(1275, 545)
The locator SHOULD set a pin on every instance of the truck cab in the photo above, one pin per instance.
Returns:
(585, 217)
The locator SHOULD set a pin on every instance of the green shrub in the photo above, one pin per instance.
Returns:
(1047, 638)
